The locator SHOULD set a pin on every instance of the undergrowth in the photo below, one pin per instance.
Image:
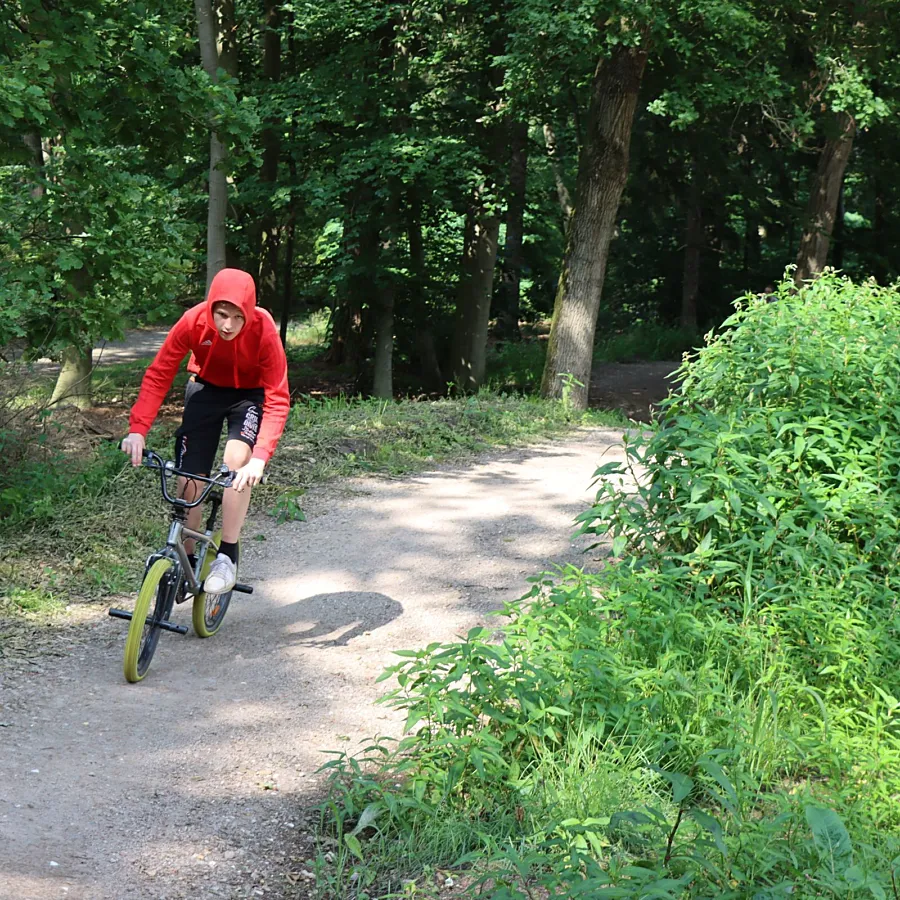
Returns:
(519, 365)
(646, 342)
(713, 713)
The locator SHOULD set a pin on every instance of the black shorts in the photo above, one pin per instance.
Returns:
(206, 407)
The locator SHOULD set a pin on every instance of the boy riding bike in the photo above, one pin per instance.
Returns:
(239, 376)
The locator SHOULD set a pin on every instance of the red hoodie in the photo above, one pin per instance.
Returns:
(253, 359)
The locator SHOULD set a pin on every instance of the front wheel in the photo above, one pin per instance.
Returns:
(143, 635)
(209, 609)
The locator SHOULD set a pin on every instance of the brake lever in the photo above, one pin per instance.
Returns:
(232, 474)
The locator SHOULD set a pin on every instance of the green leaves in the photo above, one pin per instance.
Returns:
(287, 507)
(93, 228)
(831, 838)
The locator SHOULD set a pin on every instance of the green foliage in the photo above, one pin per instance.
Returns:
(22, 600)
(92, 157)
(713, 712)
(130, 245)
(516, 366)
(287, 507)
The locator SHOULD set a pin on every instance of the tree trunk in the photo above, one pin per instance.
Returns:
(32, 141)
(752, 250)
(383, 375)
(226, 36)
(287, 301)
(752, 245)
(218, 186)
(508, 297)
(837, 255)
(602, 172)
(362, 227)
(473, 305)
(73, 386)
(562, 192)
(384, 297)
(425, 348)
(823, 199)
(269, 236)
(880, 268)
(690, 283)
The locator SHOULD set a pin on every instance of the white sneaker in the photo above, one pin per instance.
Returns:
(221, 576)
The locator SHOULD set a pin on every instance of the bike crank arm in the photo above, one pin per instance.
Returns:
(155, 623)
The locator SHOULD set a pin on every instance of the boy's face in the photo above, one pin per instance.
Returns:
(228, 319)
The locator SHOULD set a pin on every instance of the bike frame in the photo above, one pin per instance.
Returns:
(178, 530)
(175, 541)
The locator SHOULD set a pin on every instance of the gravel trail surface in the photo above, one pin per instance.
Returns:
(192, 784)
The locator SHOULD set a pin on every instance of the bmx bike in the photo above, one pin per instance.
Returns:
(169, 577)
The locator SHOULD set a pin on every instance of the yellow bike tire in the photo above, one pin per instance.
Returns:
(140, 646)
(206, 619)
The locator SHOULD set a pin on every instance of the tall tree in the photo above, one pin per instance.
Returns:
(271, 144)
(508, 296)
(208, 34)
(562, 191)
(693, 246)
(824, 194)
(93, 234)
(602, 171)
(473, 303)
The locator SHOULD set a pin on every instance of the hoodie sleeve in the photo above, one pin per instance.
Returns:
(159, 376)
(277, 402)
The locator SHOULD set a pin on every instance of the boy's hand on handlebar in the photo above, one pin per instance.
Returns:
(134, 445)
(248, 475)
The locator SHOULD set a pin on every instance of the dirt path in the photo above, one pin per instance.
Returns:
(192, 783)
(138, 343)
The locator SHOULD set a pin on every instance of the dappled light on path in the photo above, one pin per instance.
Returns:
(195, 779)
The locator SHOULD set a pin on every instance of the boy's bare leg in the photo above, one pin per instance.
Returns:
(190, 490)
(234, 504)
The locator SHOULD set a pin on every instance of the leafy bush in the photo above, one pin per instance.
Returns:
(740, 648)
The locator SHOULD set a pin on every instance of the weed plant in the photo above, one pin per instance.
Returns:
(714, 712)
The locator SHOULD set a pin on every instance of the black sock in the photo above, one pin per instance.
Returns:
(230, 550)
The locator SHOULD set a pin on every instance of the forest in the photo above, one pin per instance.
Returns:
(437, 176)
(426, 191)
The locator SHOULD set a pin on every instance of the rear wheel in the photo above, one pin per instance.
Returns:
(209, 609)
(154, 603)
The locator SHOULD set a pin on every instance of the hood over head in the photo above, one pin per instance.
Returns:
(233, 286)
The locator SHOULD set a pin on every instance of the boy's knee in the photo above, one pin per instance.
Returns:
(237, 455)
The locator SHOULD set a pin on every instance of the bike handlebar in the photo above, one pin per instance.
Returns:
(167, 467)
